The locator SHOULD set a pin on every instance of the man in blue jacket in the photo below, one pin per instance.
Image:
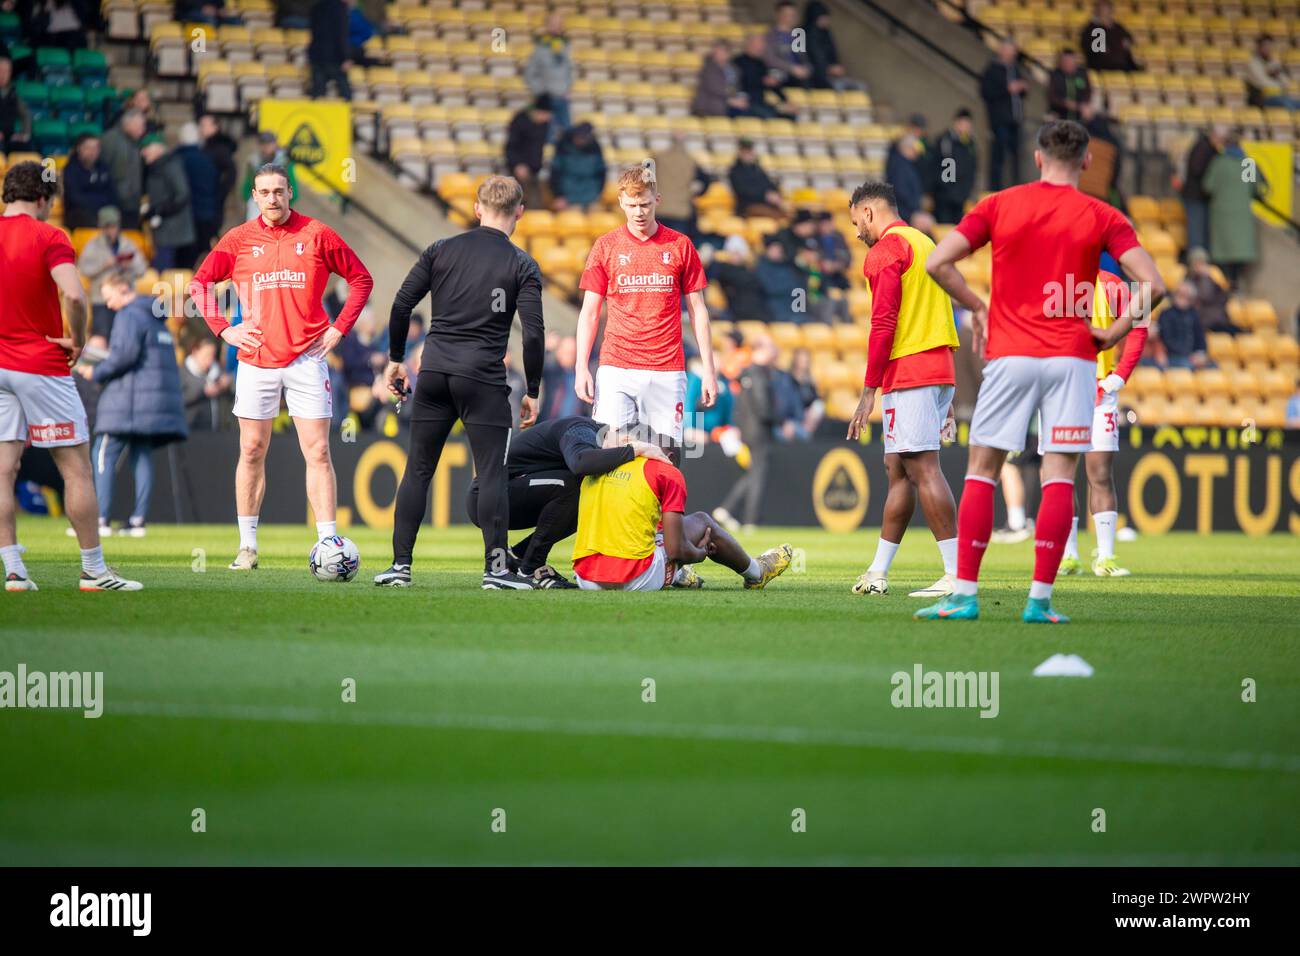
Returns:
(140, 407)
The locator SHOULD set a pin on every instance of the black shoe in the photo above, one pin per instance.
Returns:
(398, 576)
(507, 581)
(512, 559)
(547, 577)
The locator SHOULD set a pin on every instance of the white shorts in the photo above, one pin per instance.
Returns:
(1016, 387)
(1105, 423)
(654, 578)
(913, 417)
(43, 408)
(305, 382)
(649, 398)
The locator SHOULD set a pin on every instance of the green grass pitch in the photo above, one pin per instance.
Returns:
(224, 692)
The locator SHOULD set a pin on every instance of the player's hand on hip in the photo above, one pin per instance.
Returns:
(1106, 338)
(583, 385)
(527, 412)
(396, 379)
(862, 414)
(708, 390)
(244, 337)
(949, 430)
(979, 329)
(69, 345)
(1111, 384)
(325, 344)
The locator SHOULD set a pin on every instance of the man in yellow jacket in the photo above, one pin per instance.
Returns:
(910, 363)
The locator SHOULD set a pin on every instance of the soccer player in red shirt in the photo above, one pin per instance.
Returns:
(280, 263)
(1041, 347)
(643, 269)
(909, 361)
(38, 401)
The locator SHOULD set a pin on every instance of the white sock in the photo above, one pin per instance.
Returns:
(1106, 522)
(885, 551)
(1072, 542)
(13, 558)
(753, 572)
(948, 551)
(326, 529)
(970, 588)
(1015, 517)
(92, 561)
(248, 532)
(1038, 589)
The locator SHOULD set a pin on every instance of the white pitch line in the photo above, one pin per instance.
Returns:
(987, 746)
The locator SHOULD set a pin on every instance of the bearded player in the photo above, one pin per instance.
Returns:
(909, 361)
(280, 263)
(642, 270)
(1109, 301)
(1047, 238)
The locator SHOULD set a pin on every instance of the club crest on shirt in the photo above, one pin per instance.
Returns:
(298, 248)
(624, 258)
(667, 258)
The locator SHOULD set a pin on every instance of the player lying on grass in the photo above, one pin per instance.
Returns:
(620, 548)
(546, 465)
(1109, 302)
(909, 361)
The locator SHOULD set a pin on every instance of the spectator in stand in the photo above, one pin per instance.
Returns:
(1234, 244)
(15, 117)
(1293, 408)
(755, 192)
(167, 210)
(953, 168)
(1180, 331)
(1068, 89)
(717, 88)
(810, 401)
(1106, 45)
(120, 150)
(107, 253)
(833, 250)
(754, 412)
(784, 284)
(360, 31)
(329, 52)
(140, 100)
(800, 236)
(782, 53)
(205, 189)
(924, 222)
(901, 172)
(549, 72)
(823, 58)
(1003, 90)
(525, 143)
(140, 406)
(1196, 203)
(733, 271)
(677, 208)
(1211, 297)
(915, 127)
(756, 78)
(702, 422)
(268, 151)
(220, 149)
(577, 169)
(1268, 78)
(87, 184)
(559, 400)
(204, 385)
(62, 23)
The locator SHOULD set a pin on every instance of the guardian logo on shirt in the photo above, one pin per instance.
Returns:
(279, 278)
(653, 280)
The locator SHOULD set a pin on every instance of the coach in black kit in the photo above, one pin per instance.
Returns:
(476, 280)
(546, 466)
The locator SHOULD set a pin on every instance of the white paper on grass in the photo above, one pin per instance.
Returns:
(1064, 665)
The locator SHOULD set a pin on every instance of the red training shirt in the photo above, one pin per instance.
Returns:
(643, 283)
(1047, 240)
(280, 274)
(29, 307)
(886, 262)
(669, 487)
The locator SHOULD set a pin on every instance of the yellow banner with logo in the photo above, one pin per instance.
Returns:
(1273, 164)
(317, 135)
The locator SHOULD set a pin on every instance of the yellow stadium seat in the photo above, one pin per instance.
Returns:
(1260, 314)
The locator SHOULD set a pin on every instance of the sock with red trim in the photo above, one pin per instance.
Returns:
(1055, 513)
(974, 528)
